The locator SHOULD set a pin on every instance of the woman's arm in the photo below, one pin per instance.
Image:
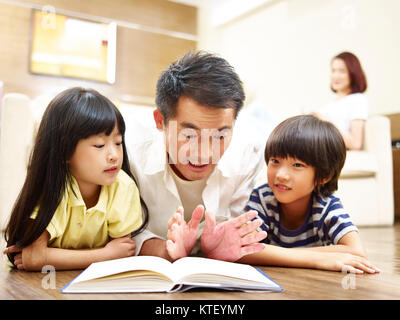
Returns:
(37, 255)
(354, 139)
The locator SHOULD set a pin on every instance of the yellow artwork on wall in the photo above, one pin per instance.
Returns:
(70, 47)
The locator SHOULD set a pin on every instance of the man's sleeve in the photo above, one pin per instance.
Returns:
(253, 166)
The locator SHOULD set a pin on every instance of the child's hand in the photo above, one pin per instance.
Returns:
(336, 261)
(120, 248)
(17, 258)
(11, 249)
(182, 236)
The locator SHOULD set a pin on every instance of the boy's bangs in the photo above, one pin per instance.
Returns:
(291, 142)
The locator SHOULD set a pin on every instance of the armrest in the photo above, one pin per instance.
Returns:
(378, 142)
(377, 139)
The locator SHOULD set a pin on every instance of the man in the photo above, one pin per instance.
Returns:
(195, 162)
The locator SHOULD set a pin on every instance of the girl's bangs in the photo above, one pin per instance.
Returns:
(99, 116)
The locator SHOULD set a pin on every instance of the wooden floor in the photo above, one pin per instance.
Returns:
(383, 248)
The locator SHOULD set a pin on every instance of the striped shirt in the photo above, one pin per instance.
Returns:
(325, 224)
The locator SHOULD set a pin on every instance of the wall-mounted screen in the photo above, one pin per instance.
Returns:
(71, 47)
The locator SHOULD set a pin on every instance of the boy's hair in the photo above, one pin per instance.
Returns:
(72, 115)
(358, 81)
(315, 142)
(203, 77)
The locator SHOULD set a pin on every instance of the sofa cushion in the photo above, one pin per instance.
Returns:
(359, 164)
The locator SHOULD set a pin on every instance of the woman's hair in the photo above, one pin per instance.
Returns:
(358, 81)
(203, 77)
(316, 142)
(72, 115)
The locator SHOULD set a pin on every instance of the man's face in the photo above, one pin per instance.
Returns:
(196, 137)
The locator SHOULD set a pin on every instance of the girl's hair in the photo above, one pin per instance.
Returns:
(72, 115)
(358, 81)
(315, 142)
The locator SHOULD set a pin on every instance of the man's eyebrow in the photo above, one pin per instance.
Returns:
(189, 125)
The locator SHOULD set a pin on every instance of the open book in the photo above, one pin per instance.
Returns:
(155, 274)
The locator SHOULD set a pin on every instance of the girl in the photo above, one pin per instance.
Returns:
(350, 109)
(76, 205)
(306, 224)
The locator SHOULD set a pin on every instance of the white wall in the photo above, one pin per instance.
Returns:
(282, 50)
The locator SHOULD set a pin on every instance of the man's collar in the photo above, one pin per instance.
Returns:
(157, 156)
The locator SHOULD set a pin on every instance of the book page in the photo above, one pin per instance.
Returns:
(111, 267)
(195, 265)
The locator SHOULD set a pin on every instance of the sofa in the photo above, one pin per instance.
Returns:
(365, 185)
(366, 182)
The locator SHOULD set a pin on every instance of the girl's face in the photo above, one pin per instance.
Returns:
(97, 159)
(340, 78)
(291, 180)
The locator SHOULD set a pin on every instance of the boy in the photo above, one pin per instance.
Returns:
(306, 224)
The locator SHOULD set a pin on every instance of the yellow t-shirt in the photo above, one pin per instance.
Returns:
(117, 213)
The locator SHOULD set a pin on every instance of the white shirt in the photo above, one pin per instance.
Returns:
(342, 111)
(190, 193)
(227, 189)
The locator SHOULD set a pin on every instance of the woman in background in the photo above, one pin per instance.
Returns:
(349, 111)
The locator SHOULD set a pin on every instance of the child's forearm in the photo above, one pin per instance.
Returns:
(337, 248)
(68, 259)
(305, 258)
(61, 259)
(349, 243)
(37, 255)
(278, 256)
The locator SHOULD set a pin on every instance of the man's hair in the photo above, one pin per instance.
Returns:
(203, 77)
(315, 142)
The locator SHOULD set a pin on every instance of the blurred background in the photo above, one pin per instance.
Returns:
(281, 49)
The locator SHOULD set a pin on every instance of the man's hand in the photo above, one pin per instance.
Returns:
(182, 236)
(232, 239)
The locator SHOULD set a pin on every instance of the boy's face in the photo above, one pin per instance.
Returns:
(291, 180)
(196, 137)
(97, 160)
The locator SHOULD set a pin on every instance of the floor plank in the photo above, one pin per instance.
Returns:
(382, 245)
